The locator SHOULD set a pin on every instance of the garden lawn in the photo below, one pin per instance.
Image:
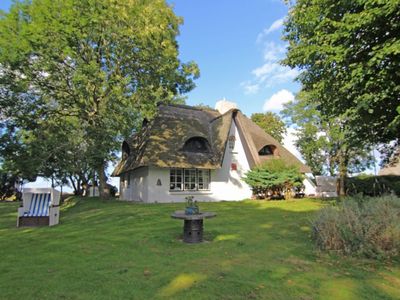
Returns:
(120, 250)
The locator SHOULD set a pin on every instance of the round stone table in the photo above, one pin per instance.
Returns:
(193, 225)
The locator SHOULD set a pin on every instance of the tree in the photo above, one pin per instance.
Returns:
(271, 123)
(274, 177)
(98, 65)
(349, 55)
(327, 144)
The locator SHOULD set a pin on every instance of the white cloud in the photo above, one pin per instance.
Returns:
(284, 74)
(250, 88)
(273, 73)
(274, 26)
(273, 51)
(275, 103)
(265, 69)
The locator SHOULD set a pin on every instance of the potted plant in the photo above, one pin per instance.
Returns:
(191, 206)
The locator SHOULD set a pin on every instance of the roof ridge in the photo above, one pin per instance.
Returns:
(232, 110)
(185, 106)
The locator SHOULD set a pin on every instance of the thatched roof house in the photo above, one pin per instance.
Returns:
(189, 150)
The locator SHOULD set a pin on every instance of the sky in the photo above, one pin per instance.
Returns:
(238, 46)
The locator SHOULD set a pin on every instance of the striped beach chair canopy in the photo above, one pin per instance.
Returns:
(39, 206)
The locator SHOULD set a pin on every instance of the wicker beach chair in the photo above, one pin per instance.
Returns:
(40, 207)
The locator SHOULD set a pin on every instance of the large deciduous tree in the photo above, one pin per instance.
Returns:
(98, 66)
(271, 123)
(327, 144)
(349, 55)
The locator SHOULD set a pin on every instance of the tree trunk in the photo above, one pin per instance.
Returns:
(103, 190)
(342, 173)
(71, 179)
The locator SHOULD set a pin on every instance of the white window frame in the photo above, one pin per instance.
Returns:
(173, 179)
(201, 182)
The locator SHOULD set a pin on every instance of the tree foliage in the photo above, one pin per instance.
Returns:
(271, 123)
(273, 177)
(88, 69)
(327, 145)
(349, 55)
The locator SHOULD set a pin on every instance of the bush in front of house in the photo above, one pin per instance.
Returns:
(273, 179)
(373, 186)
(368, 227)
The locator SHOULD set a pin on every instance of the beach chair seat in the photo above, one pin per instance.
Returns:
(39, 207)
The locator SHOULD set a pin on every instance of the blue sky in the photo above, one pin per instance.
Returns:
(237, 46)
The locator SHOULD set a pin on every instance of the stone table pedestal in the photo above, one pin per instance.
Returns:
(193, 225)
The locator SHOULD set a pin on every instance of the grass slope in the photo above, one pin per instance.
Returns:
(119, 250)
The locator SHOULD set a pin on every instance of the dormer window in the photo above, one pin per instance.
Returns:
(126, 150)
(267, 150)
(197, 144)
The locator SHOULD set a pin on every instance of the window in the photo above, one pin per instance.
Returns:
(267, 150)
(231, 142)
(203, 178)
(196, 144)
(189, 180)
(176, 180)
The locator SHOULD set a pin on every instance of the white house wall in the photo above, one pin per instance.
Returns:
(226, 184)
(137, 190)
(309, 187)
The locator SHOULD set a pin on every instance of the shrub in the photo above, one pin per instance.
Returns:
(274, 178)
(373, 186)
(367, 227)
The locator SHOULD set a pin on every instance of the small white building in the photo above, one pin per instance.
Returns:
(195, 151)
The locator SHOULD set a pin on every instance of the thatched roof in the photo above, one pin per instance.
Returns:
(257, 138)
(160, 143)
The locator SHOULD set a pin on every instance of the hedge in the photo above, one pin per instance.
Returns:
(373, 186)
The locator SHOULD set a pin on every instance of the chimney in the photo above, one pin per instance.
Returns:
(223, 106)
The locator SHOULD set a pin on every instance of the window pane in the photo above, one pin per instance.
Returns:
(203, 179)
(175, 180)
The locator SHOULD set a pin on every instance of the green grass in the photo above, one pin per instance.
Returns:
(119, 250)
